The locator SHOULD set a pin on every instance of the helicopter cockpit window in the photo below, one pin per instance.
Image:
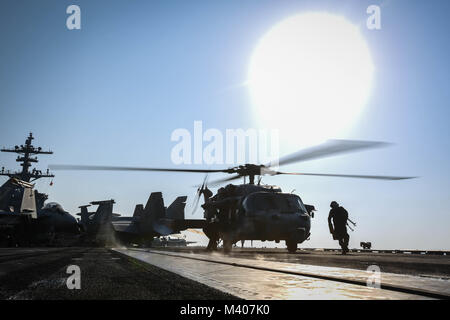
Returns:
(285, 203)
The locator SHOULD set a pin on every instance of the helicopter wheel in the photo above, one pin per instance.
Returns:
(227, 246)
(212, 245)
(291, 246)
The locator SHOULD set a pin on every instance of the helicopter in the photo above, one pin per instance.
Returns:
(252, 211)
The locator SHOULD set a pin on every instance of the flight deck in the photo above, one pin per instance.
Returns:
(193, 273)
(258, 277)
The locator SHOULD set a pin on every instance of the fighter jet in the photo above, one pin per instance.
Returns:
(96, 226)
(21, 223)
(153, 220)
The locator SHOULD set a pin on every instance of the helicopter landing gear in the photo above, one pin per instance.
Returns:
(291, 246)
(212, 245)
(227, 246)
(227, 243)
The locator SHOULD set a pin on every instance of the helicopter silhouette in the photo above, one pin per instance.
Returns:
(252, 211)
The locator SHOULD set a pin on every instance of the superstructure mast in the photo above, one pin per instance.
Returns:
(26, 158)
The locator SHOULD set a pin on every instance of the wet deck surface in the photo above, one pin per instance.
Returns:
(40, 273)
(434, 266)
(262, 284)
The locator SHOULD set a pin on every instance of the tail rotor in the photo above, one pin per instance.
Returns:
(199, 194)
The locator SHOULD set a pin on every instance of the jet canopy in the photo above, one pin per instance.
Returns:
(54, 206)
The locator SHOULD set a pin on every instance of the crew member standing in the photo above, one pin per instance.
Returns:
(337, 222)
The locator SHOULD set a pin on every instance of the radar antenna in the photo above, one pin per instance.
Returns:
(26, 153)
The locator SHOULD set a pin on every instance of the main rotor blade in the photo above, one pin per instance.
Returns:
(347, 176)
(327, 149)
(115, 168)
(216, 182)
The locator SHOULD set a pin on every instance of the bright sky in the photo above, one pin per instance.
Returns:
(113, 92)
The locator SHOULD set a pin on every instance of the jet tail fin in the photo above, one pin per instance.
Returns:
(84, 213)
(104, 211)
(138, 210)
(176, 209)
(154, 209)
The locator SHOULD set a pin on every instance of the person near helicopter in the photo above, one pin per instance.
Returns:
(337, 222)
(221, 211)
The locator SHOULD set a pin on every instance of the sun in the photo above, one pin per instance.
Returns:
(310, 76)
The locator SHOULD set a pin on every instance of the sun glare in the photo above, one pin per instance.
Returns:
(310, 77)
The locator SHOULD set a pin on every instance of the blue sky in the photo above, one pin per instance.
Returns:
(113, 92)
